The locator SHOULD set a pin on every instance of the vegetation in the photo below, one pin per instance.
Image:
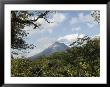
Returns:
(78, 61)
(20, 19)
(81, 60)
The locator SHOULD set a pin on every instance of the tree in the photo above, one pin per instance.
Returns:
(86, 57)
(96, 16)
(20, 19)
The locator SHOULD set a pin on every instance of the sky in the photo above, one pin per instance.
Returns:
(67, 26)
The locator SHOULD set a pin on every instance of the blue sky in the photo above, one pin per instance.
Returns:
(66, 27)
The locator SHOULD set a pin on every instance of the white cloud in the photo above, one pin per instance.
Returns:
(82, 18)
(68, 39)
(81, 35)
(56, 19)
(30, 30)
(44, 42)
(33, 52)
(85, 18)
(74, 20)
(95, 36)
(76, 29)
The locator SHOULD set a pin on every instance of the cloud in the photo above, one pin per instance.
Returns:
(82, 18)
(56, 19)
(76, 29)
(74, 20)
(33, 52)
(68, 39)
(85, 18)
(95, 36)
(81, 35)
(44, 42)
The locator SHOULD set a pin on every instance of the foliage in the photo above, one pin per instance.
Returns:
(21, 67)
(20, 19)
(77, 61)
(96, 15)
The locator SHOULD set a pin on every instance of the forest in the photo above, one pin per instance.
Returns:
(77, 61)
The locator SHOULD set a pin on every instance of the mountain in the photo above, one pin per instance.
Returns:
(56, 47)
